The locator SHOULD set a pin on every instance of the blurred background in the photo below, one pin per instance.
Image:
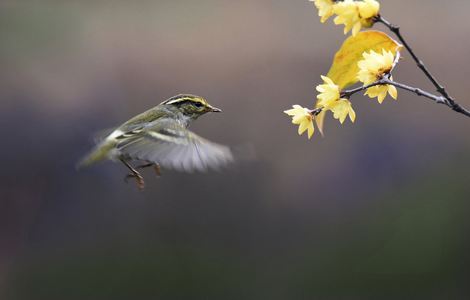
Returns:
(374, 210)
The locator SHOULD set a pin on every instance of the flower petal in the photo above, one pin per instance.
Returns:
(303, 126)
(352, 115)
(311, 129)
(392, 90)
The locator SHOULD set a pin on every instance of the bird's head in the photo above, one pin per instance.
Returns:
(190, 105)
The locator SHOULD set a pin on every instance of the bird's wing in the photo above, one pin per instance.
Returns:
(173, 146)
(102, 134)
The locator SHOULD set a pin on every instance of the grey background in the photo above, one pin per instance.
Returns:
(374, 210)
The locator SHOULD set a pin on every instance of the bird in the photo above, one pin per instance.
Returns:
(160, 137)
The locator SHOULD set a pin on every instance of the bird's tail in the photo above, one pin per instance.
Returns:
(99, 153)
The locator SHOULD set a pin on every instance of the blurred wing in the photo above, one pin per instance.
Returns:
(173, 146)
(102, 134)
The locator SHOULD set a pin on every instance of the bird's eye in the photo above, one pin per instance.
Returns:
(198, 104)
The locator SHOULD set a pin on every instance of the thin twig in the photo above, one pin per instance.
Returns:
(349, 93)
(417, 91)
(448, 100)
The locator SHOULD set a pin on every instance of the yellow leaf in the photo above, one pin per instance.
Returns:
(344, 69)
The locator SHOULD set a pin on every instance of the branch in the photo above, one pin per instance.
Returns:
(349, 93)
(417, 91)
(449, 101)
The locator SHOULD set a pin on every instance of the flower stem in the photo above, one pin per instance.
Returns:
(417, 91)
(349, 93)
(446, 99)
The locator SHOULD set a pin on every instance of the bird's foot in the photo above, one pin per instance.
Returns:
(156, 168)
(139, 179)
(135, 174)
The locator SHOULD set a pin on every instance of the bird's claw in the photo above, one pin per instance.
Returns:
(156, 168)
(138, 178)
(135, 174)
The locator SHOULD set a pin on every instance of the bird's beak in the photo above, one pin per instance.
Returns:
(215, 109)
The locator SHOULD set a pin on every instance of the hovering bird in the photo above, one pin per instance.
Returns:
(160, 137)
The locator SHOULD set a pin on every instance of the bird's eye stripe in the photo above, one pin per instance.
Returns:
(181, 100)
(186, 101)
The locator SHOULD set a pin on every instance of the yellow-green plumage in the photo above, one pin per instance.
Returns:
(99, 153)
(160, 135)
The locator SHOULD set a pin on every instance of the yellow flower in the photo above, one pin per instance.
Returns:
(368, 9)
(329, 99)
(348, 14)
(341, 109)
(355, 14)
(329, 92)
(372, 68)
(325, 8)
(303, 117)
(380, 91)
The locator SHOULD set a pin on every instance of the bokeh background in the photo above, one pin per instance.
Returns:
(374, 210)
